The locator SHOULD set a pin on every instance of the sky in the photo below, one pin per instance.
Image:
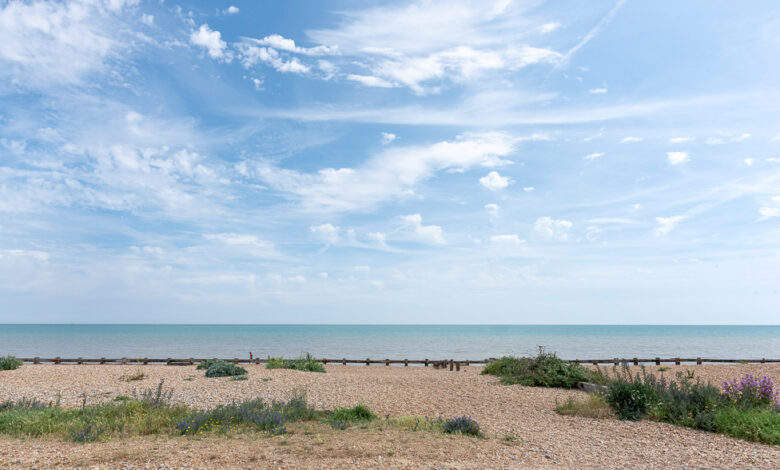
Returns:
(390, 162)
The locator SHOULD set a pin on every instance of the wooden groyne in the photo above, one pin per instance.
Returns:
(451, 364)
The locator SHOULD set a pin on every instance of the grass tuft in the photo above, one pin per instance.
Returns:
(356, 413)
(305, 364)
(594, 406)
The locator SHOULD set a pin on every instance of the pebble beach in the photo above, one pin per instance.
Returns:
(540, 438)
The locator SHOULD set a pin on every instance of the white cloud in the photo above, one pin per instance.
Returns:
(392, 173)
(667, 224)
(370, 80)
(14, 146)
(328, 232)
(593, 156)
(54, 43)
(328, 68)
(777, 137)
(387, 138)
(280, 43)
(492, 210)
(453, 42)
(494, 181)
(547, 227)
(251, 55)
(675, 158)
(245, 244)
(773, 160)
(749, 161)
(258, 83)
(528, 189)
(148, 20)
(626, 140)
(549, 27)
(507, 239)
(430, 234)
(727, 139)
(379, 238)
(773, 210)
(211, 41)
(231, 10)
(595, 136)
(597, 91)
(681, 140)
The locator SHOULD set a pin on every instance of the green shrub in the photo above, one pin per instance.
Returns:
(305, 364)
(206, 364)
(224, 369)
(756, 424)
(544, 370)
(592, 407)
(9, 363)
(630, 400)
(356, 413)
(462, 425)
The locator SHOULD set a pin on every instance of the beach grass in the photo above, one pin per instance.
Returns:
(306, 363)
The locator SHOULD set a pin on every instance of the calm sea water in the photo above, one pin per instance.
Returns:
(389, 341)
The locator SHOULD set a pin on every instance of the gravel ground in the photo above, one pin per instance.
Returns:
(543, 438)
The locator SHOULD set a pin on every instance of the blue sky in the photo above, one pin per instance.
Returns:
(390, 162)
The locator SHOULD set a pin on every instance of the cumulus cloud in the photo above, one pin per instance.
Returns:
(749, 161)
(430, 234)
(726, 139)
(770, 210)
(492, 210)
(507, 239)
(675, 158)
(549, 27)
(528, 189)
(212, 41)
(251, 55)
(148, 20)
(547, 227)
(328, 232)
(370, 80)
(593, 156)
(667, 224)
(231, 10)
(389, 174)
(494, 181)
(281, 43)
(387, 138)
(379, 238)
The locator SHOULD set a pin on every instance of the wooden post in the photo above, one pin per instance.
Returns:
(698, 361)
(325, 362)
(596, 363)
(457, 366)
(387, 362)
(616, 361)
(146, 361)
(468, 363)
(57, 360)
(36, 360)
(80, 361)
(368, 361)
(344, 361)
(192, 361)
(636, 362)
(658, 361)
(406, 362)
(426, 362)
(677, 361)
(168, 362)
(451, 364)
(763, 360)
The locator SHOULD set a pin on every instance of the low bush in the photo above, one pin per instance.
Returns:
(224, 369)
(356, 413)
(544, 370)
(305, 364)
(206, 364)
(756, 424)
(258, 413)
(594, 406)
(463, 425)
(749, 392)
(9, 363)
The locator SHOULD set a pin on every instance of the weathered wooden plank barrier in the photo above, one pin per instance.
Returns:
(450, 364)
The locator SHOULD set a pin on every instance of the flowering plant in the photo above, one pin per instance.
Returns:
(751, 392)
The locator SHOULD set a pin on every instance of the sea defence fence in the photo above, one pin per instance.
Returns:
(450, 364)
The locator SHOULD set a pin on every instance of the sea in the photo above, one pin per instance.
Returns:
(460, 342)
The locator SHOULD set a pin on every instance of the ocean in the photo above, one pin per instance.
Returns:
(459, 342)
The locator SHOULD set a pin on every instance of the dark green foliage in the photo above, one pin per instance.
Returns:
(630, 399)
(463, 425)
(257, 413)
(224, 369)
(239, 378)
(9, 363)
(756, 424)
(305, 364)
(544, 370)
(356, 413)
(206, 364)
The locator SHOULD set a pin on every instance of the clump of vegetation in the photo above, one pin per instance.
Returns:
(89, 432)
(9, 363)
(224, 369)
(239, 378)
(257, 413)
(544, 370)
(135, 376)
(157, 397)
(594, 406)
(356, 413)
(746, 408)
(463, 425)
(206, 364)
(305, 364)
